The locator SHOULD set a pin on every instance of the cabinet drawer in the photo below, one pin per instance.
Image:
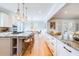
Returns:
(71, 50)
(63, 51)
(66, 50)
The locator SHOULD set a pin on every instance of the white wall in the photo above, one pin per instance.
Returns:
(35, 25)
(66, 24)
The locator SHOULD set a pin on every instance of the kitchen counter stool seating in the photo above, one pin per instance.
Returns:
(29, 42)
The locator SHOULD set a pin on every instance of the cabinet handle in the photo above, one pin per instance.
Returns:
(67, 49)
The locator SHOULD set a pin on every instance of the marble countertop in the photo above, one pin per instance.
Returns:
(9, 34)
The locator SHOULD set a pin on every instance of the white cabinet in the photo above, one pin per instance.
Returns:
(11, 46)
(73, 51)
(64, 50)
(60, 48)
(5, 20)
(51, 41)
(5, 47)
(17, 45)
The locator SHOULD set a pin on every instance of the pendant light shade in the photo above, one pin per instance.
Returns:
(18, 16)
(21, 12)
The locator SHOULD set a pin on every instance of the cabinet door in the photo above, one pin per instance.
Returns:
(5, 20)
(4, 46)
(59, 49)
(63, 50)
(19, 46)
(73, 51)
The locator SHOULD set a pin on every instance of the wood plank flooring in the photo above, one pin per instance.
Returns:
(40, 48)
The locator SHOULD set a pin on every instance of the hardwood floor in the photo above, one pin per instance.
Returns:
(40, 48)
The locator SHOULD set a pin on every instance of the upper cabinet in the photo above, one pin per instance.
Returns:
(5, 20)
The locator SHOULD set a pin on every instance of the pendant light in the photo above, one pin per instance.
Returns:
(24, 12)
(21, 13)
(18, 16)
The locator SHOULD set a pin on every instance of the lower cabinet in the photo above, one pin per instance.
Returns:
(65, 50)
(17, 45)
(13, 46)
(20, 46)
(59, 48)
(5, 47)
(62, 50)
(10, 46)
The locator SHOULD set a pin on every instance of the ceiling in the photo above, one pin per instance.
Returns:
(35, 11)
(69, 11)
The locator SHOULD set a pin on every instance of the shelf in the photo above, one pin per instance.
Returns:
(14, 41)
(14, 51)
(14, 46)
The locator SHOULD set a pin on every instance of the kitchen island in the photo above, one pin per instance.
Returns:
(14, 44)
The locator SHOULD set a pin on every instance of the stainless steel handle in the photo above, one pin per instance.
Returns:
(67, 49)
